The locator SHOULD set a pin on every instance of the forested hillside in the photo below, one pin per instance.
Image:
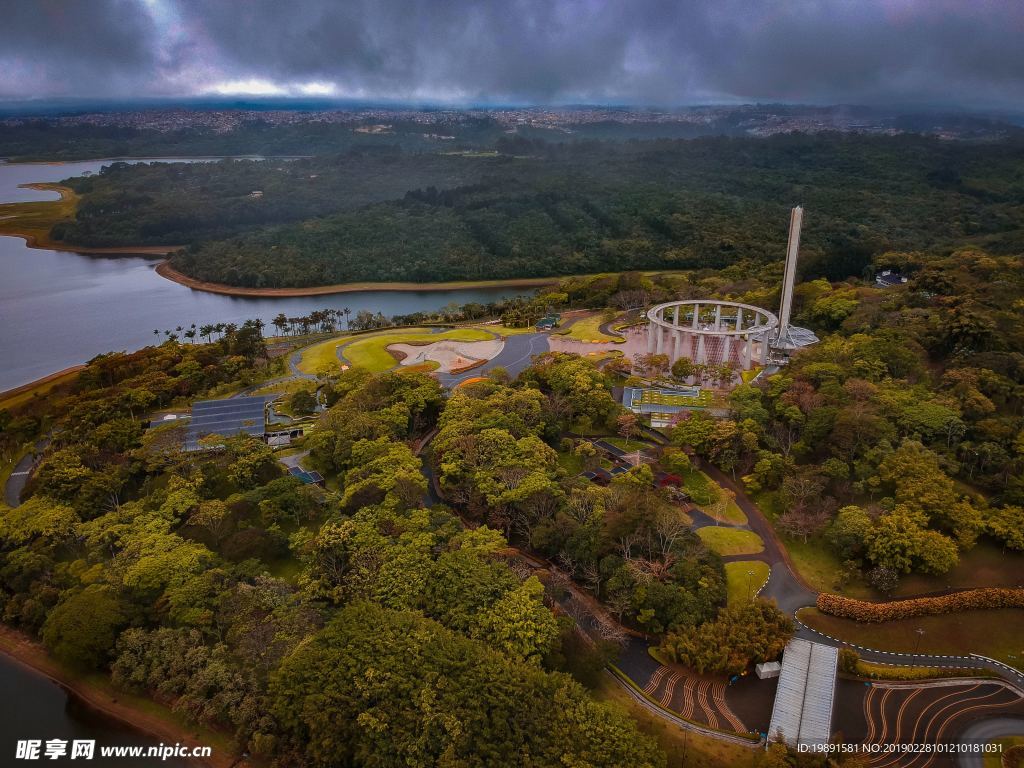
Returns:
(160, 203)
(897, 442)
(314, 629)
(538, 209)
(44, 141)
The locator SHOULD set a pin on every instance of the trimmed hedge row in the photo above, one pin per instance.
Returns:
(968, 600)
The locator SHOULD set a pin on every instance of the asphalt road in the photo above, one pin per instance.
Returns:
(20, 475)
(16, 482)
(514, 357)
(984, 732)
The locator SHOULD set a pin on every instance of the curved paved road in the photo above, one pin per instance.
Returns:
(984, 732)
(21, 473)
(791, 593)
(515, 356)
(17, 480)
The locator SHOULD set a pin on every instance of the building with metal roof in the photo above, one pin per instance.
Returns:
(887, 279)
(802, 713)
(237, 416)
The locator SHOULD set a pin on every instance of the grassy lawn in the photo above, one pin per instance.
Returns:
(995, 759)
(322, 357)
(997, 634)
(684, 749)
(748, 376)
(286, 387)
(740, 586)
(631, 445)
(570, 462)
(34, 220)
(704, 492)
(21, 395)
(730, 541)
(819, 566)
(889, 672)
(370, 352)
(589, 329)
(815, 560)
(984, 566)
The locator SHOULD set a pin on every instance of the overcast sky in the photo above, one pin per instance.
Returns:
(665, 52)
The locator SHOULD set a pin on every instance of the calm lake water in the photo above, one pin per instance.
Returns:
(33, 707)
(59, 309)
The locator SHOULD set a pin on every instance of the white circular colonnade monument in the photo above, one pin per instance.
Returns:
(710, 331)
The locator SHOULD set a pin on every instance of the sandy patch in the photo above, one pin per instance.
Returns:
(449, 355)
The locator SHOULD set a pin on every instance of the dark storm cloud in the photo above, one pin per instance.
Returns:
(649, 51)
(50, 47)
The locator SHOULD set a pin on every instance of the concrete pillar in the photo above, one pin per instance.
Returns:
(739, 318)
(746, 352)
(675, 316)
(718, 317)
(764, 352)
(701, 353)
(661, 341)
(677, 338)
(651, 330)
(696, 316)
(727, 349)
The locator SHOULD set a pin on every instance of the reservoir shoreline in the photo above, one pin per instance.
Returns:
(165, 270)
(34, 237)
(25, 652)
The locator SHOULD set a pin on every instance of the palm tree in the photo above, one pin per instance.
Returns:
(346, 312)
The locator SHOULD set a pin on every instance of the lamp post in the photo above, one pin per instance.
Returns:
(917, 645)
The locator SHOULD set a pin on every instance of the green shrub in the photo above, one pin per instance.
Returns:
(968, 600)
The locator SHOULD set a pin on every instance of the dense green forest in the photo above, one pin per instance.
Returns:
(897, 442)
(269, 609)
(538, 209)
(44, 141)
(178, 203)
(360, 628)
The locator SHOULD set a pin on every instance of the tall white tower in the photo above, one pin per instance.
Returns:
(796, 219)
(785, 338)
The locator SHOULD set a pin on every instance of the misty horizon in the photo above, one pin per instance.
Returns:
(906, 54)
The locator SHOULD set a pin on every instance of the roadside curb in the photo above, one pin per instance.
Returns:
(972, 659)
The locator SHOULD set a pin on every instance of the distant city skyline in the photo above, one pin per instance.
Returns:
(939, 53)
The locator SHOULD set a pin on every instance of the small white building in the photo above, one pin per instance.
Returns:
(768, 669)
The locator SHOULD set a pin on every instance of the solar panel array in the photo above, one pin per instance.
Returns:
(309, 477)
(239, 415)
